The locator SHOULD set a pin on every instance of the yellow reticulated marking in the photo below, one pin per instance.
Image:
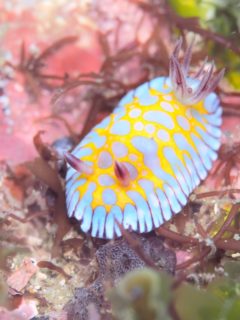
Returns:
(134, 157)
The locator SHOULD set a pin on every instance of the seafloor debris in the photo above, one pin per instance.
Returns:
(26, 310)
(19, 279)
(115, 259)
(133, 41)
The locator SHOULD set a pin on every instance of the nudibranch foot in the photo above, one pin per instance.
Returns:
(138, 166)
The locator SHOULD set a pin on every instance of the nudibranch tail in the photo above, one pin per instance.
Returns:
(138, 166)
(186, 90)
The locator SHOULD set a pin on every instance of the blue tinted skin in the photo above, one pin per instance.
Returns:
(203, 152)
(213, 143)
(86, 200)
(125, 100)
(120, 128)
(109, 196)
(144, 216)
(106, 180)
(148, 147)
(98, 222)
(152, 202)
(159, 117)
(111, 226)
(167, 214)
(177, 166)
(184, 145)
(159, 83)
(130, 218)
(160, 201)
(87, 219)
(144, 96)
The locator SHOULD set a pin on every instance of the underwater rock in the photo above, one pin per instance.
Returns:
(115, 259)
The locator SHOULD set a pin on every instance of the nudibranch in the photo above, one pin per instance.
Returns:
(139, 165)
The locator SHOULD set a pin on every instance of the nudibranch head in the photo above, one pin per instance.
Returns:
(139, 165)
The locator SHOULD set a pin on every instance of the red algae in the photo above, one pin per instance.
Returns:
(64, 67)
(22, 115)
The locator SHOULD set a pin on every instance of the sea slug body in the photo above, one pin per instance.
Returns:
(140, 164)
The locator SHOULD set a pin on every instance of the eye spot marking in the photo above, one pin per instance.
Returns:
(109, 196)
(105, 180)
(105, 160)
(163, 135)
(159, 117)
(147, 146)
(134, 113)
(99, 141)
(183, 122)
(119, 149)
(167, 106)
(150, 128)
(121, 127)
(138, 126)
